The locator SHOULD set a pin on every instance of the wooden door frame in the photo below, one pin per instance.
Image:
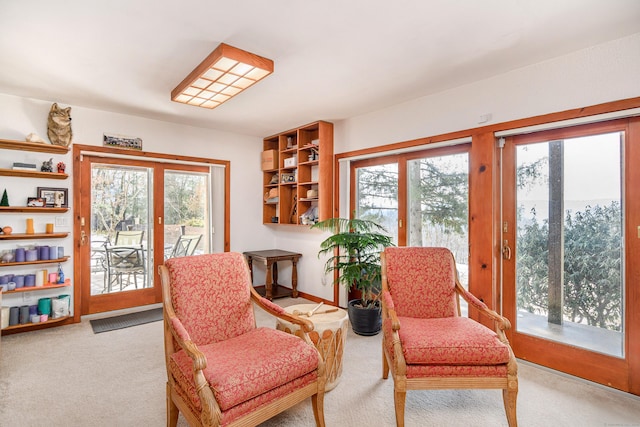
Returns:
(82, 196)
(601, 368)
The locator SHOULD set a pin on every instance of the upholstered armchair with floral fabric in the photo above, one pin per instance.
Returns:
(222, 370)
(426, 343)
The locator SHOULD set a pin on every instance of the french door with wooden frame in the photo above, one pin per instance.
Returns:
(421, 198)
(571, 249)
(124, 195)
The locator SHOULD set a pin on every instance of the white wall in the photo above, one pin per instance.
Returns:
(602, 73)
(598, 74)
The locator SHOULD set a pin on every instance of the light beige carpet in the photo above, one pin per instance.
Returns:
(69, 376)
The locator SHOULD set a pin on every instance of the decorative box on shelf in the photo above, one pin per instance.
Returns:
(290, 162)
(269, 160)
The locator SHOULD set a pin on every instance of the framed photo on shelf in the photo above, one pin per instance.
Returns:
(35, 202)
(54, 197)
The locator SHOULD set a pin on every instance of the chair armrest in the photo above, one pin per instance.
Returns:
(175, 326)
(501, 322)
(183, 340)
(277, 311)
(211, 413)
(210, 409)
(389, 308)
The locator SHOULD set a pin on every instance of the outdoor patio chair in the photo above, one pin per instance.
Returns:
(426, 343)
(185, 245)
(124, 260)
(222, 370)
(129, 238)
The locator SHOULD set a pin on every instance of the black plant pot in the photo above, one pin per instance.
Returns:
(365, 321)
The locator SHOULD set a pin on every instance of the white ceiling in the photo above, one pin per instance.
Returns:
(334, 59)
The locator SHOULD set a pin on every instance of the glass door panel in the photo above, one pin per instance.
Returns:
(438, 207)
(569, 255)
(120, 207)
(377, 196)
(186, 213)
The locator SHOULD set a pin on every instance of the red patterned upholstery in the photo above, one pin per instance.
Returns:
(422, 282)
(237, 375)
(206, 295)
(450, 341)
(222, 370)
(426, 344)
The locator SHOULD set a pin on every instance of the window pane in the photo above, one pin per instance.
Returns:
(569, 259)
(120, 204)
(377, 196)
(438, 207)
(186, 213)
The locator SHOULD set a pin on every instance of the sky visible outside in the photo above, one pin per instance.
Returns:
(592, 174)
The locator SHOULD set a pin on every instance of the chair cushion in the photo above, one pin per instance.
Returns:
(450, 341)
(207, 291)
(421, 281)
(247, 366)
(425, 371)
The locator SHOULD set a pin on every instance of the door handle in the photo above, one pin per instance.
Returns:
(506, 250)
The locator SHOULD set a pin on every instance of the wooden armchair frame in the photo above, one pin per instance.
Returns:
(398, 365)
(211, 414)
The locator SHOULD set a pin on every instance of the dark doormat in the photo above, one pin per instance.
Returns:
(126, 320)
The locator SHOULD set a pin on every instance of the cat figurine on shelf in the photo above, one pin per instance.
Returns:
(59, 125)
(47, 165)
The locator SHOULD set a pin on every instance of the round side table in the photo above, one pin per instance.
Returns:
(329, 336)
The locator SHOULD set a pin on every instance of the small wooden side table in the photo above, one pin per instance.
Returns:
(270, 258)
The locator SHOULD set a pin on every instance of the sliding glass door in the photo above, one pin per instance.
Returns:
(138, 213)
(567, 208)
(421, 198)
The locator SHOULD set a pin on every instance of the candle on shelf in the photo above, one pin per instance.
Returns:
(20, 255)
(49, 228)
(30, 226)
(39, 279)
(31, 255)
(45, 276)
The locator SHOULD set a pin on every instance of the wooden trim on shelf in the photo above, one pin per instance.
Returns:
(40, 261)
(46, 286)
(8, 144)
(32, 209)
(33, 174)
(24, 236)
(33, 326)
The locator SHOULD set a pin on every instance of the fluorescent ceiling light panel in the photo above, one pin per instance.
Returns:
(226, 72)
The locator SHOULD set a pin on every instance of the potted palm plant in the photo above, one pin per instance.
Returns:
(354, 248)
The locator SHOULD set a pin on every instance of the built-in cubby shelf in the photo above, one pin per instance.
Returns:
(302, 168)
